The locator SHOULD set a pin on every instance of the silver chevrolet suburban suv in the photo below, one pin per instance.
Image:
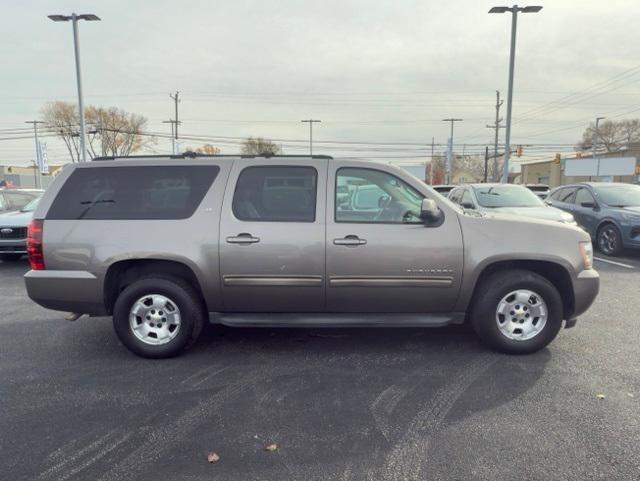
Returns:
(164, 244)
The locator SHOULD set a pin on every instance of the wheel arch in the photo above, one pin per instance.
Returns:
(122, 273)
(554, 272)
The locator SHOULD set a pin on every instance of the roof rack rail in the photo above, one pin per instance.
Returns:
(193, 155)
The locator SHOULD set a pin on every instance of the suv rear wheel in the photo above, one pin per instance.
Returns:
(158, 317)
(519, 312)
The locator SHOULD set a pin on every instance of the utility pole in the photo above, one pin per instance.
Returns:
(595, 144)
(173, 140)
(38, 161)
(486, 163)
(176, 99)
(310, 122)
(497, 127)
(450, 150)
(431, 163)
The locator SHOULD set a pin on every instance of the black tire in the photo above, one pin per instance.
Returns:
(609, 240)
(10, 257)
(190, 304)
(498, 285)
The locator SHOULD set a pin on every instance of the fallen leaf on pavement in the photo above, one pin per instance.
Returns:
(271, 447)
(213, 457)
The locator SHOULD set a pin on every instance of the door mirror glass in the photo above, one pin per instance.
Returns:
(588, 205)
(467, 205)
(430, 213)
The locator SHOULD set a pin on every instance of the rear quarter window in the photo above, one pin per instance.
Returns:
(146, 192)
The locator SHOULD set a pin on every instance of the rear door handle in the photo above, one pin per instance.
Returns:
(244, 238)
(350, 240)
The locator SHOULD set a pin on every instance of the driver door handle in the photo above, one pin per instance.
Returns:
(350, 240)
(244, 238)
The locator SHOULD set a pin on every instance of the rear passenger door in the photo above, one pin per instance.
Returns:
(563, 199)
(272, 230)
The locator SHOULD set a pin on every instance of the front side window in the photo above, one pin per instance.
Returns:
(126, 193)
(276, 194)
(374, 196)
(506, 195)
(583, 195)
(466, 198)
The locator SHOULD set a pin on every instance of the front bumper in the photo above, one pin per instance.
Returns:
(631, 236)
(72, 291)
(13, 246)
(585, 290)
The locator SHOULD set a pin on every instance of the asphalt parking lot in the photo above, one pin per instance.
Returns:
(388, 404)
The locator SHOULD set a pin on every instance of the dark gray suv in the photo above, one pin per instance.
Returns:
(609, 212)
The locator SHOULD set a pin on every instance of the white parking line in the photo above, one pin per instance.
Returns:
(620, 264)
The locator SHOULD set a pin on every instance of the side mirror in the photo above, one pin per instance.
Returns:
(468, 205)
(430, 213)
(588, 205)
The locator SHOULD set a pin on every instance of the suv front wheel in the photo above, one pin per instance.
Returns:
(518, 312)
(158, 317)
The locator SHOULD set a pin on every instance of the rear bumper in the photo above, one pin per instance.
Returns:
(585, 289)
(72, 291)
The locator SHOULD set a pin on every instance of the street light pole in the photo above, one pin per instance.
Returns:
(76, 47)
(450, 151)
(512, 60)
(310, 122)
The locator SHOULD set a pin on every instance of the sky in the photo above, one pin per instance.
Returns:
(380, 75)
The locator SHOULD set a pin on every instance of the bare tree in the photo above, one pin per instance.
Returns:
(208, 149)
(259, 145)
(116, 132)
(63, 119)
(112, 131)
(612, 135)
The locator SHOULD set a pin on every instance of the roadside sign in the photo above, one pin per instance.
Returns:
(43, 164)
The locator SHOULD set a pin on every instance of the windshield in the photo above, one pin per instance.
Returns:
(506, 196)
(31, 206)
(619, 195)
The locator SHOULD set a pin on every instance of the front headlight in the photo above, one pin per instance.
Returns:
(586, 251)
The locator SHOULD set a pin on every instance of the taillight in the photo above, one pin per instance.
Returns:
(34, 245)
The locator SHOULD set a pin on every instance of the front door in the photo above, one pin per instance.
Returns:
(380, 256)
(272, 256)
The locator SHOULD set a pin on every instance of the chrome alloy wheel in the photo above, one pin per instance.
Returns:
(521, 315)
(154, 319)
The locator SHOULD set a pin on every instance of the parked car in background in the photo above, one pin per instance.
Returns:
(609, 212)
(16, 199)
(507, 198)
(443, 189)
(13, 231)
(541, 190)
(294, 241)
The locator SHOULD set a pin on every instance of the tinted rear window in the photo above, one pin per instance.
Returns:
(149, 192)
